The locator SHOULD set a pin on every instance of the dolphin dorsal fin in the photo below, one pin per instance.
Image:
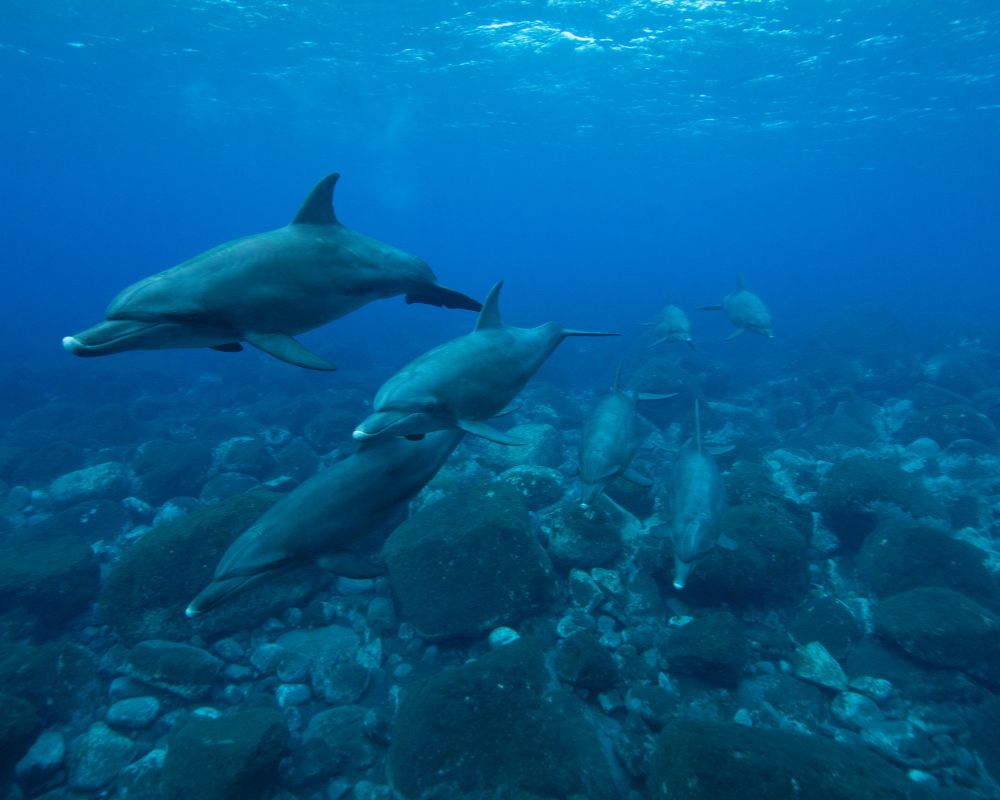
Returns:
(489, 317)
(318, 206)
(697, 425)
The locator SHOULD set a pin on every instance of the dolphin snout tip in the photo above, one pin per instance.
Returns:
(360, 435)
(191, 612)
(71, 344)
(678, 585)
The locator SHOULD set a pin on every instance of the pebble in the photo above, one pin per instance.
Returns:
(267, 657)
(229, 650)
(134, 713)
(97, 756)
(293, 668)
(878, 689)
(292, 694)
(238, 672)
(814, 663)
(855, 710)
(122, 688)
(502, 636)
(43, 759)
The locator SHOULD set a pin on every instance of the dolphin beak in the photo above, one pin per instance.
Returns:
(362, 436)
(72, 345)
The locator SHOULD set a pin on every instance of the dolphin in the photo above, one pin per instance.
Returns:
(698, 500)
(265, 289)
(610, 440)
(673, 325)
(745, 310)
(325, 518)
(464, 382)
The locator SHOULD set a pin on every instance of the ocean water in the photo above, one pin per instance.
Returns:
(601, 158)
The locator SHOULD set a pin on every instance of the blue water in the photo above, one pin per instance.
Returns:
(602, 157)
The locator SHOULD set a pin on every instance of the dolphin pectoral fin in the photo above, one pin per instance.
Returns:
(727, 543)
(507, 411)
(434, 295)
(643, 396)
(657, 343)
(232, 347)
(691, 345)
(720, 450)
(488, 432)
(637, 478)
(285, 348)
(710, 308)
(351, 565)
(734, 334)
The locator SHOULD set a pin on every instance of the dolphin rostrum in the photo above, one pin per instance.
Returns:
(265, 289)
(464, 382)
(698, 500)
(610, 440)
(673, 325)
(325, 518)
(745, 310)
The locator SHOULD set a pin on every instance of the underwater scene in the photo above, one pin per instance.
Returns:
(513, 400)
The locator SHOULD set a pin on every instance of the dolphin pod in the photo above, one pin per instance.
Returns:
(265, 289)
(465, 382)
(610, 440)
(746, 311)
(327, 516)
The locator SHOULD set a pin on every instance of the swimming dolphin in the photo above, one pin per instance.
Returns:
(610, 440)
(264, 289)
(321, 520)
(673, 325)
(698, 500)
(464, 382)
(746, 311)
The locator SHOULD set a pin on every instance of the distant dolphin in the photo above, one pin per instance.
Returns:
(673, 325)
(264, 289)
(610, 440)
(464, 382)
(324, 518)
(698, 500)
(745, 310)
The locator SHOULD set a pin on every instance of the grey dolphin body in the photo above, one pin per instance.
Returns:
(610, 440)
(746, 311)
(264, 289)
(330, 513)
(698, 498)
(464, 382)
(673, 325)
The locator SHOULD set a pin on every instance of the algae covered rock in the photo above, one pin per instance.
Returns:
(96, 757)
(828, 621)
(897, 557)
(705, 761)
(857, 493)
(543, 448)
(584, 538)
(54, 579)
(234, 757)
(490, 725)
(186, 671)
(107, 481)
(468, 563)
(582, 661)
(945, 424)
(19, 725)
(943, 627)
(712, 647)
(168, 469)
(148, 589)
(54, 677)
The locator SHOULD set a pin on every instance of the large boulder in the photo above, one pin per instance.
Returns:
(149, 588)
(712, 646)
(543, 447)
(168, 469)
(491, 725)
(55, 677)
(89, 521)
(945, 424)
(468, 563)
(705, 761)
(186, 671)
(856, 494)
(943, 627)
(107, 481)
(54, 579)
(897, 557)
(234, 757)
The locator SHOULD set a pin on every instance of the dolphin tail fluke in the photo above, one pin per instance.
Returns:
(710, 308)
(285, 348)
(442, 297)
(488, 432)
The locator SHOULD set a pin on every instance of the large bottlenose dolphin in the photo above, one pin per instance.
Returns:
(745, 310)
(610, 440)
(698, 501)
(264, 289)
(464, 382)
(672, 325)
(324, 518)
